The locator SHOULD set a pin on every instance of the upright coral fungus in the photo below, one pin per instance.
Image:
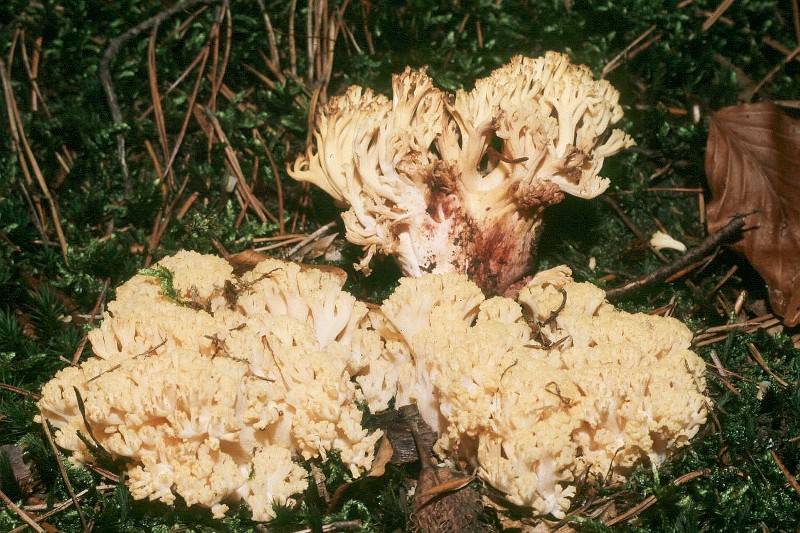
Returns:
(458, 183)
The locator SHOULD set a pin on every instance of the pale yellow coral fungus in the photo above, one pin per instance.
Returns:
(215, 396)
(541, 392)
(458, 182)
(212, 395)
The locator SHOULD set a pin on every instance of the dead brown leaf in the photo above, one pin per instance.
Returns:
(753, 166)
(382, 457)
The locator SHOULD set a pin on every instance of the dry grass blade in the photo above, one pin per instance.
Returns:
(199, 57)
(187, 205)
(63, 471)
(785, 471)
(278, 183)
(772, 43)
(155, 96)
(188, 115)
(226, 56)
(32, 70)
(20, 140)
(233, 162)
(107, 81)
(616, 61)
(796, 20)
(706, 339)
(273, 42)
(322, 230)
(714, 17)
(758, 358)
(25, 517)
(63, 506)
(771, 74)
(18, 390)
(98, 304)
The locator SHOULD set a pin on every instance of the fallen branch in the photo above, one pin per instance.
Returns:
(107, 81)
(660, 274)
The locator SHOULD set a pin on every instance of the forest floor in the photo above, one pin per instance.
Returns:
(219, 93)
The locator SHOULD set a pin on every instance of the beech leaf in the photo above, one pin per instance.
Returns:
(753, 166)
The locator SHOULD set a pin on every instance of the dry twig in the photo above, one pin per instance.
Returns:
(25, 156)
(107, 81)
(785, 471)
(704, 248)
(714, 17)
(63, 471)
(25, 517)
(771, 74)
(617, 60)
(650, 500)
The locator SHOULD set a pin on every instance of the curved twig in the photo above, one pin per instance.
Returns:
(708, 244)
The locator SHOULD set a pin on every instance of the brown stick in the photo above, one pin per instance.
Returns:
(704, 248)
(796, 20)
(18, 390)
(278, 184)
(25, 517)
(144, 114)
(107, 81)
(273, 42)
(98, 304)
(32, 70)
(758, 358)
(650, 500)
(785, 471)
(292, 45)
(187, 117)
(155, 96)
(66, 504)
(714, 17)
(233, 162)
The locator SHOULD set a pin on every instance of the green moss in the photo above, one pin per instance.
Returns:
(107, 228)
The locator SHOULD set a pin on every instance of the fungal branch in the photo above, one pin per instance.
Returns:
(458, 183)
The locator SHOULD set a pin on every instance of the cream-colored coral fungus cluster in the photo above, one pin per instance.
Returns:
(537, 393)
(220, 395)
(213, 396)
(458, 183)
